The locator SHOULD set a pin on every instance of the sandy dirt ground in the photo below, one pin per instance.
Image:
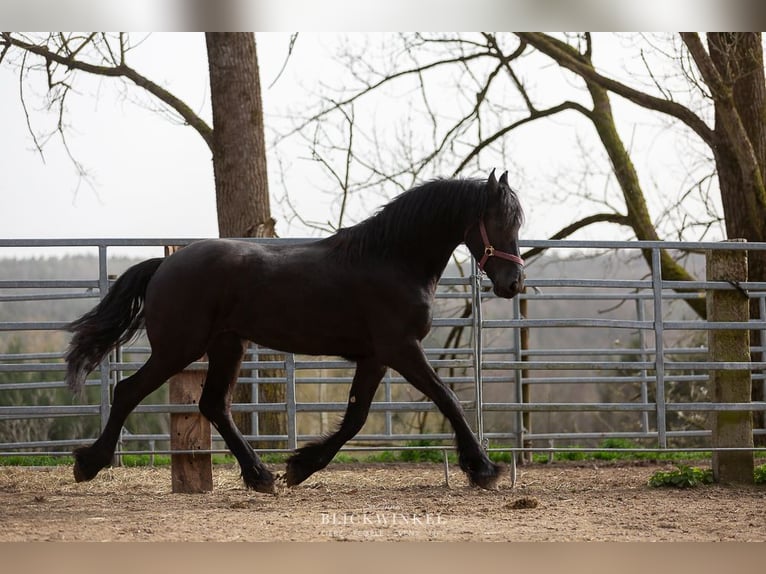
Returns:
(370, 502)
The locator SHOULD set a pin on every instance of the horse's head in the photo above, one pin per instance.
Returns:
(493, 240)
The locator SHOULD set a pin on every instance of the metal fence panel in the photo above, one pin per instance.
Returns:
(501, 380)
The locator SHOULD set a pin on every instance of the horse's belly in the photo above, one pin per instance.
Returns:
(311, 342)
(308, 329)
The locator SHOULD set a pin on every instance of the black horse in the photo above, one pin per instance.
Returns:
(364, 293)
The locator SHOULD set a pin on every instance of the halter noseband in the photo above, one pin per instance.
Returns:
(490, 251)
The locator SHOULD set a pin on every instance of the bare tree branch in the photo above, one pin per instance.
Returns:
(617, 218)
(290, 48)
(383, 81)
(569, 58)
(534, 115)
(121, 70)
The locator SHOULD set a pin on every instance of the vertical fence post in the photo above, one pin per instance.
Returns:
(731, 429)
(477, 347)
(520, 344)
(191, 472)
(105, 395)
(290, 402)
(643, 357)
(659, 349)
(103, 287)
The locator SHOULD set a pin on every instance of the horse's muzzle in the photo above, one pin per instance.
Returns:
(508, 290)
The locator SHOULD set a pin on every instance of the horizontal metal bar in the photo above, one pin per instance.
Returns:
(624, 365)
(48, 284)
(30, 356)
(621, 324)
(547, 323)
(34, 326)
(47, 297)
(32, 386)
(31, 368)
(564, 244)
(636, 245)
(44, 411)
(41, 444)
(590, 283)
(398, 406)
(641, 407)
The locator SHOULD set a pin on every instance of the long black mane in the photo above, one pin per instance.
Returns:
(433, 212)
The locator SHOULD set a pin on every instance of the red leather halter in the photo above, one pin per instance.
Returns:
(490, 251)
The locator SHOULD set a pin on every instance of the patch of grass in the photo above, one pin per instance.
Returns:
(611, 452)
(425, 455)
(267, 457)
(569, 455)
(41, 460)
(139, 460)
(383, 456)
(613, 449)
(504, 456)
(344, 458)
(573, 455)
(682, 477)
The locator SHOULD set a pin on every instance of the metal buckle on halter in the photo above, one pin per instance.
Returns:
(489, 251)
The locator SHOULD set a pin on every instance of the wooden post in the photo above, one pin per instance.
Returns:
(731, 429)
(190, 472)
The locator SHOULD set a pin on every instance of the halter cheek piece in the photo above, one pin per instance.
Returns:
(490, 251)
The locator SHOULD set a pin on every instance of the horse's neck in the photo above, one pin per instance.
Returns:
(431, 260)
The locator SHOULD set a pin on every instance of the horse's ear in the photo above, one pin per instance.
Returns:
(504, 178)
(492, 182)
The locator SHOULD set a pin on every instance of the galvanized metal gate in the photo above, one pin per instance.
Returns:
(501, 370)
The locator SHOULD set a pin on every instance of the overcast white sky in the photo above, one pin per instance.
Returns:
(150, 177)
(147, 175)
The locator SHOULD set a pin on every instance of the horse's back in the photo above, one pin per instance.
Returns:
(290, 297)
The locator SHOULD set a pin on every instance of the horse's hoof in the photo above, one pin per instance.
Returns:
(260, 480)
(486, 478)
(296, 471)
(83, 471)
(79, 475)
(266, 487)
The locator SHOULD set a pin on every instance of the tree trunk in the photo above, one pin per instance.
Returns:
(738, 58)
(239, 149)
(239, 166)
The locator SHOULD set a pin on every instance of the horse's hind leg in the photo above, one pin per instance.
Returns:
(224, 359)
(313, 457)
(128, 394)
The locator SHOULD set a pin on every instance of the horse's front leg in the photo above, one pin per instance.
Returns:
(410, 360)
(315, 456)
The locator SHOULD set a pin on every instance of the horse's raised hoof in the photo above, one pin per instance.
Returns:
(84, 467)
(296, 472)
(301, 465)
(486, 478)
(260, 480)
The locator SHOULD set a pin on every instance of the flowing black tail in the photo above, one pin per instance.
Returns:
(112, 322)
